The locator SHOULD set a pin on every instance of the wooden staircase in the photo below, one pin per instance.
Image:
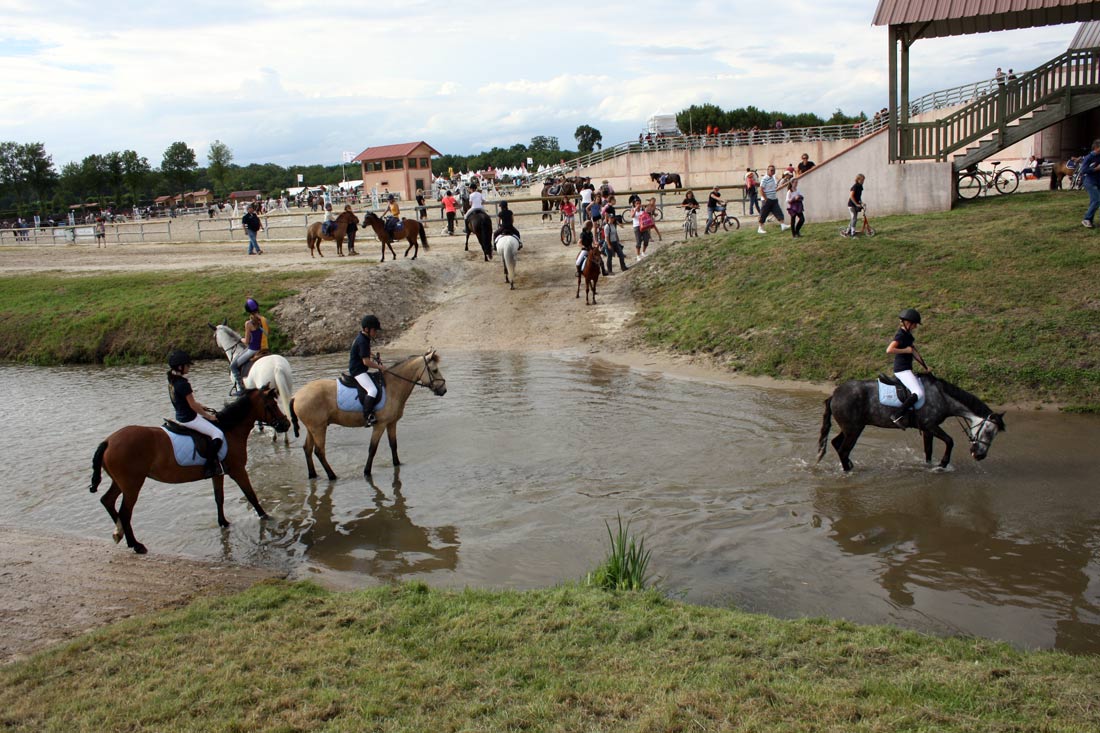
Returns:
(1060, 88)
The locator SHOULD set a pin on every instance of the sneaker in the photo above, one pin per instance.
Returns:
(761, 230)
(1086, 224)
(784, 227)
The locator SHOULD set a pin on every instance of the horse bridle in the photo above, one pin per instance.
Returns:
(972, 431)
(432, 380)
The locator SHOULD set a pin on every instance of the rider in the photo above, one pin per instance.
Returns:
(904, 352)
(507, 224)
(329, 222)
(392, 214)
(188, 409)
(254, 340)
(714, 204)
(477, 199)
(361, 359)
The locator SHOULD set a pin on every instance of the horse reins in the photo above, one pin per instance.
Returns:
(430, 383)
(971, 432)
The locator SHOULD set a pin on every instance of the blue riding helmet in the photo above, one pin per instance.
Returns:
(251, 306)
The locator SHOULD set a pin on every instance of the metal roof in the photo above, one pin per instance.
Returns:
(939, 18)
(401, 150)
(1088, 36)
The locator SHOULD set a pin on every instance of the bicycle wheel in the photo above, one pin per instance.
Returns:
(969, 186)
(868, 230)
(658, 214)
(712, 226)
(1007, 181)
(689, 228)
(566, 235)
(731, 222)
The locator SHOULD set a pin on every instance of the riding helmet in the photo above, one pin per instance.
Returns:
(178, 358)
(370, 321)
(251, 306)
(910, 314)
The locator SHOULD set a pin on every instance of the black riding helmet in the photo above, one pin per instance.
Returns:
(179, 358)
(370, 321)
(910, 314)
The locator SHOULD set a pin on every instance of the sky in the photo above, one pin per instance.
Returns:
(292, 82)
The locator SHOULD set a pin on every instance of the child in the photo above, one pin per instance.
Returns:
(188, 409)
(361, 359)
(904, 352)
(855, 204)
(568, 211)
(252, 340)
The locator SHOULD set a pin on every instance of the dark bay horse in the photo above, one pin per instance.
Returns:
(480, 224)
(855, 405)
(315, 405)
(134, 453)
(554, 193)
(673, 178)
(339, 232)
(413, 229)
(591, 273)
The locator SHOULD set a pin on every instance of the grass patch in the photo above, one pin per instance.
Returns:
(627, 563)
(1004, 284)
(131, 318)
(293, 657)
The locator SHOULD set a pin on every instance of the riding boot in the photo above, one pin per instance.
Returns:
(213, 465)
(899, 418)
(368, 410)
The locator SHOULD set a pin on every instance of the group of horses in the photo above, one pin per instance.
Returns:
(556, 190)
(413, 233)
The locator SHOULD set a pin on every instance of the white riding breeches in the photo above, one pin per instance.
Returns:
(911, 382)
(582, 257)
(201, 425)
(367, 383)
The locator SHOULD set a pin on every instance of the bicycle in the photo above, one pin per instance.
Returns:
(690, 227)
(867, 230)
(566, 234)
(722, 219)
(973, 181)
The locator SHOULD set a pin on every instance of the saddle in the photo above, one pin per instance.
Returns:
(394, 226)
(202, 442)
(247, 367)
(553, 191)
(349, 381)
(902, 390)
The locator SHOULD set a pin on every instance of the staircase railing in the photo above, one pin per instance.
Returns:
(1055, 82)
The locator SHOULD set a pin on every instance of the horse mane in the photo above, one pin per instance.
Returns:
(234, 413)
(960, 395)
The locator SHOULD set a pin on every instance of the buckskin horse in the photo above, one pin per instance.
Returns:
(314, 237)
(134, 453)
(413, 229)
(315, 405)
(855, 405)
(673, 178)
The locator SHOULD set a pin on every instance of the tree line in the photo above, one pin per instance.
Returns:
(697, 117)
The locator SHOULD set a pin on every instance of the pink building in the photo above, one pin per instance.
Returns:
(401, 169)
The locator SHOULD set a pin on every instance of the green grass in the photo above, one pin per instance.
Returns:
(627, 563)
(130, 318)
(1006, 286)
(292, 657)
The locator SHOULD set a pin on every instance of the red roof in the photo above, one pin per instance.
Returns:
(244, 194)
(401, 150)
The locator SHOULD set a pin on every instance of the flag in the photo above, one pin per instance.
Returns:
(348, 157)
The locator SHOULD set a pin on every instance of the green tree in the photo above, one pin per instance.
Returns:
(588, 138)
(178, 165)
(543, 144)
(219, 157)
(135, 173)
(39, 175)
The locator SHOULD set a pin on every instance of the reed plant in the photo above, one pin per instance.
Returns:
(627, 563)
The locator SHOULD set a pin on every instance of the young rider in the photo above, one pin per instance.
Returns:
(361, 359)
(188, 409)
(904, 352)
(253, 340)
(507, 224)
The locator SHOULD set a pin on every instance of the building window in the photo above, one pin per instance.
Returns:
(389, 165)
(373, 166)
(425, 163)
(412, 162)
(399, 164)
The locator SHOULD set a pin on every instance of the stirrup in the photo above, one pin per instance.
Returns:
(369, 419)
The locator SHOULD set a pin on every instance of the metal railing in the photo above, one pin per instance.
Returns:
(1076, 71)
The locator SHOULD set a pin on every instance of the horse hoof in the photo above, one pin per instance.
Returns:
(140, 548)
(223, 523)
(117, 537)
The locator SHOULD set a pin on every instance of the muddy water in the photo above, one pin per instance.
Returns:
(509, 478)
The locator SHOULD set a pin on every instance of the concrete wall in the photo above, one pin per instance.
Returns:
(909, 188)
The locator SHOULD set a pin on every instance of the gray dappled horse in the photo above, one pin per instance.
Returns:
(855, 405)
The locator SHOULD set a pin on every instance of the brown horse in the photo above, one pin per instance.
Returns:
(591, 272)
(134, 453)
(1059, 171)
(315, 405)
(673, 178)
(554, 193)
(314, 236)
(413, 228)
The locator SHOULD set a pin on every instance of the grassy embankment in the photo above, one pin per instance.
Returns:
(293, 657)
(130, 318)
(1007, 287)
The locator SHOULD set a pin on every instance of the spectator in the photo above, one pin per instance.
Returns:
(855, 203)
(796, 208)
(611, 236)
(769, 187)
(586, 202)
(100, 232)
(999, 76)
(1032, 168)
(805, 165)
(421, 209)
(353, 227)
(252, 225)
(1090, 169)
(449, 207)
(751, 191)
(714, 204)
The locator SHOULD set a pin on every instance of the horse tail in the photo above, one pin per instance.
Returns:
(294, 418)
(826, 425)
(423, 237)
(285, 385)
(97, 466)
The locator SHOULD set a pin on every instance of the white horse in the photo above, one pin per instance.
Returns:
(508, 246)
(271, 371)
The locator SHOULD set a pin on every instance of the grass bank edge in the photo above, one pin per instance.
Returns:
(285, 655)
(1004, 284)
(131, 318)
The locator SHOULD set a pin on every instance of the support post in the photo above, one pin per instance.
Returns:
(893, 93)
(906, 136)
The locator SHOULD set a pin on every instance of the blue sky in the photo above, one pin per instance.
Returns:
(300, 82)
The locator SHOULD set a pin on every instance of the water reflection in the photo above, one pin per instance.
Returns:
(378, 541)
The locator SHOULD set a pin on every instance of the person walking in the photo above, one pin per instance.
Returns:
(252, 226)
(855, 204)
(1090, 178)
(796, 208)
(769, 189)
(449, 207)
(611, 236)
(353, 227)
(751, 191)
